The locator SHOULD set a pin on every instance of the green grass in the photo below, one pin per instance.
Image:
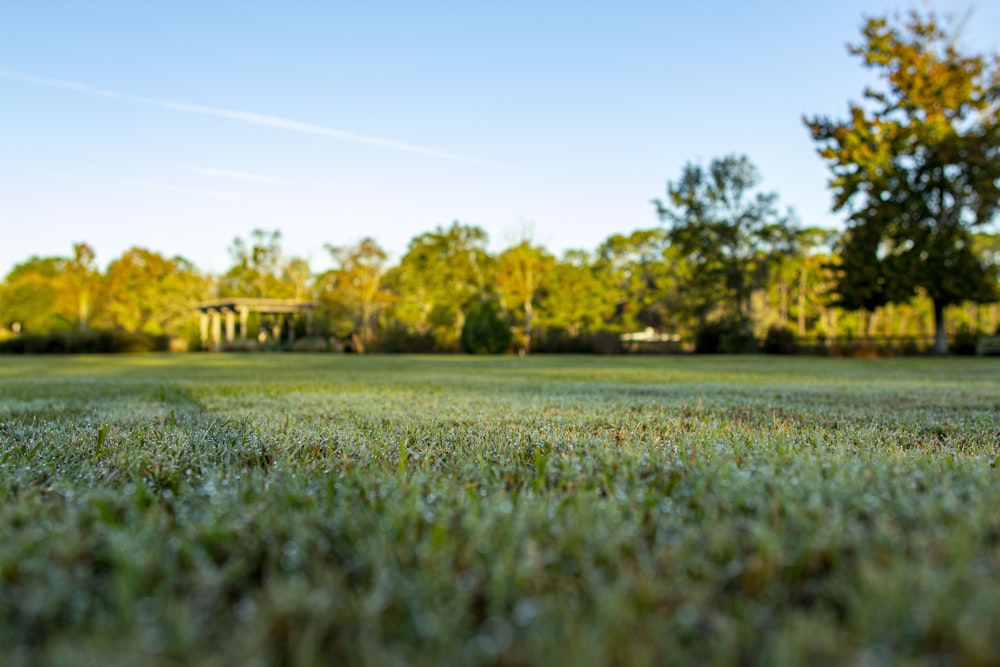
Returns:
(314, 510)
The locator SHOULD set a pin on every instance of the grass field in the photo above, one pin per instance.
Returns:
(316, 510)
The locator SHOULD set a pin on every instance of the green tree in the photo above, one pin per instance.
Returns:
(800, 281)
(636, 268)
(917, 168)
(260, 269)
(577, 297)
(79, 286)
(987, 248)
(520, 272)
(46, 294)
(296, 280)
(30, 295)
(149, 292)
(730, 232)
(354, 292)
(811, 286)
(441, 274)
(483, 331)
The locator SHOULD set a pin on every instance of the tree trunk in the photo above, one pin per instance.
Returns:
(83, 308)
(830, 315)
(940, 335)
(873, 322)
(357, 343)
(528, 316)
(802, 302)
(783, 303)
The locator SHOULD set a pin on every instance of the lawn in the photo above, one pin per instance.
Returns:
(330, 509)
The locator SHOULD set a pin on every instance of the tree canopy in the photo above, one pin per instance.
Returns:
(917, 168)
(354, 292)
(729, 229)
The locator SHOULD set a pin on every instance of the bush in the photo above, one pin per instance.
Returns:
(559, 341)
(484, 332)
(311, 344)
(780, 340)
(723, 336)
(396, 338)
(965, 341)
(88, 342)
(241, 345)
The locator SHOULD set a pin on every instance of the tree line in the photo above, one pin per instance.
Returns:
(915, 168)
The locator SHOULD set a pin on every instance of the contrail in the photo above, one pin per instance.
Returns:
(240, 116)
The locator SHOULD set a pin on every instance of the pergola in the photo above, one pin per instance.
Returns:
(214, 312)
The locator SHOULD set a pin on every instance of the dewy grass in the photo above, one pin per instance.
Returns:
(313, 510)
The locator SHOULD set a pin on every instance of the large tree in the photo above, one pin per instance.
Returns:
(80, 284)
(578, 295)
(45, 294)
(149, 292)
(917, 168)
(729, 230)
(636, 268)
(520, 271)
(354, 292)
(442, 273)
(261, 270)
(30, 294)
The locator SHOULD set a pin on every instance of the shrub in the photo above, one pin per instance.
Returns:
(396, 338)
(241, 345)
(559, 341)
(484, 332)
(780, 340)
(88, 342)
(311, 344)
(965, 341)
(723, 336)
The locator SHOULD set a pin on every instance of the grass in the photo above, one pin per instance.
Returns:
(313, 510)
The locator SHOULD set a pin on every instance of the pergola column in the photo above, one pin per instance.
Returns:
(244, 314)
(230, 326)
(203, 322)
(216, 330)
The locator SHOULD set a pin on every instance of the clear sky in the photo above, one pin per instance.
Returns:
(179, 125)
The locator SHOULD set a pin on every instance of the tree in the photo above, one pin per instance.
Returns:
(520, 271)
(812, 276)
(296, 280)
(636, 269)
(258, 265)
(30, 294)
(353, 290)
(44, 294)
(79, 285)
(578, 296)
(917, 169)
(149, 292)
(729, 231)
(483, 332)
(441, 274)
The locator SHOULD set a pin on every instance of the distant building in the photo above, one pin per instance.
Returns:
(214, 312)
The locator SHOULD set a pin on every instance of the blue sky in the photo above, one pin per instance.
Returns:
(177, 126)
